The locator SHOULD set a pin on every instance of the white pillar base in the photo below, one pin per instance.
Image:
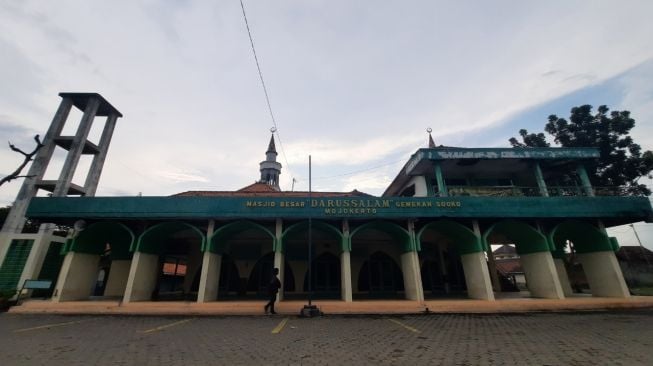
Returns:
(541, 275)
(118, 275)
(563, 276)
(279, 263)
(345, 277)
(210, 277)
(412, 279)
(477, 276)
(142, 277)
(77, 277)
(603, 274)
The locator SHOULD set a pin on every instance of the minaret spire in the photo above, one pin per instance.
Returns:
(270, 168)
(431, 142)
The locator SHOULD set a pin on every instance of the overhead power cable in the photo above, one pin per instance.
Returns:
(265, 90)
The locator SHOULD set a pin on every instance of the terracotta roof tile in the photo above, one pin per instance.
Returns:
(508, 266)
(257, 190)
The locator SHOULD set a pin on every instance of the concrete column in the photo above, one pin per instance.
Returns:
(77, 277)
(442, 187)
(93, 177)
(477, 276)
(16, 218)
(539, 177)
(541, 275)
(279, 259)
(563, 276)
(603, 274)
(279, 263)
(210, 280)
(76, 148)
(492, 268)
(142, 277)
(345, 277)
(345, 265)
(42, 241)
(585, 180)
(210, 275)
(118, 275)
(412, 279)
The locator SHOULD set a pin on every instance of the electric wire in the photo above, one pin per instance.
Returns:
(265, 90)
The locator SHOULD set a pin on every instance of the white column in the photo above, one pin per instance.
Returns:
(477, 276)
(412, 281)
(118, 275)
(77, 277)
(142, 277)
(210, 278)
(563, 276)
(603, 274)
(279, 261)
(492, 268)
(541, 275)
(345, 276)
(345, 265)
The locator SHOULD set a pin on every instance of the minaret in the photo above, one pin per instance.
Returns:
(431, 142)
(270, 168)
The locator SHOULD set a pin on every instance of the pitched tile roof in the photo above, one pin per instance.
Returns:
(265, 190)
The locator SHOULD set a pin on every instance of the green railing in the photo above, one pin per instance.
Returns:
(520, 191)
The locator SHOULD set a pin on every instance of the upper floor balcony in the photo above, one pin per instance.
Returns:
(531, 191)
(499, 172)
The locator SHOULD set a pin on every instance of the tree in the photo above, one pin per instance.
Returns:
(27, 158)
(621, 163)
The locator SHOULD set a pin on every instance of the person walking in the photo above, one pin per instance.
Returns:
(273, 289)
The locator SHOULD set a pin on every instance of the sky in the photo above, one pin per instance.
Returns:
(353, 84)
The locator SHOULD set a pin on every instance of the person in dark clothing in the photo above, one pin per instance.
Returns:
(273, 289)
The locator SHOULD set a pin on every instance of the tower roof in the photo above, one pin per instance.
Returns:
(431, 142)
(271, 147)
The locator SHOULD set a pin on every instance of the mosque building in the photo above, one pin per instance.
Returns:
(428, 236)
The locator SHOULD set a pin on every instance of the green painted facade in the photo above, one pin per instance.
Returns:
(625, 209)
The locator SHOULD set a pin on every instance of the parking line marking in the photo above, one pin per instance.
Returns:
(279, 327)
(414, 330)
(50, 326)
(162, 327)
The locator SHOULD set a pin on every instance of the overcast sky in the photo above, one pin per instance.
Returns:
(355, 84)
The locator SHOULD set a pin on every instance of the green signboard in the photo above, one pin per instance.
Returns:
(341, 207)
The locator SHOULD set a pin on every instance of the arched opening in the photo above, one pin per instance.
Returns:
(442, 243)
(585, 260)
(376, 248)
(380, 277)
(229, 282)
(327, 246)
(531, 256)
(247, 251)
(325, 277)
(261, 276)
(99, 261)
(176, 248)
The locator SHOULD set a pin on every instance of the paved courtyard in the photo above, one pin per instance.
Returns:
(596, 338)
